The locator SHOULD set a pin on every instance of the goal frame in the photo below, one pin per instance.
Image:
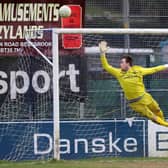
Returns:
(55, 65)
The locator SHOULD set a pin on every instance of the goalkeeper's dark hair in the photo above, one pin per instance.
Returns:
(128, 59)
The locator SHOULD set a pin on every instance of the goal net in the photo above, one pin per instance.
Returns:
(92, 108)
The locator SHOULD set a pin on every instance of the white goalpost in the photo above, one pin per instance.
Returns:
(56, 109)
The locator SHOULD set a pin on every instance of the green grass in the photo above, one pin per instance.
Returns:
(92, 163)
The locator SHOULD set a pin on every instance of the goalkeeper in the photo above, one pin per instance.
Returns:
(131, 80)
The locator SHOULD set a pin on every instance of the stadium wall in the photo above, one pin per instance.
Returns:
(85, 139)
(79, 139)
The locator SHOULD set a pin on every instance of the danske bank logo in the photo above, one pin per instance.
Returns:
(95, 145)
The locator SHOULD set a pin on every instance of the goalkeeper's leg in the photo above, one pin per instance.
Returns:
(154, 107)
(146, 111)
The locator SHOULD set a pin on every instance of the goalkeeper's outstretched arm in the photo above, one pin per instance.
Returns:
(103, 49)
(148, 71)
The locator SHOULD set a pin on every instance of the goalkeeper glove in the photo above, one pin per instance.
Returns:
(166, 65)
(103, 47)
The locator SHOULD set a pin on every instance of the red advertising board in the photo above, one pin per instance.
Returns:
(17, 16)
(72, 41)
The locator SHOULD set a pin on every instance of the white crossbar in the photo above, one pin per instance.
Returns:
(112, 31)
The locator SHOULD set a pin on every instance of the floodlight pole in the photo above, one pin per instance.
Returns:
(56, 118)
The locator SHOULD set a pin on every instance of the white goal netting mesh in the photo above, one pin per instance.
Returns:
(87, 92)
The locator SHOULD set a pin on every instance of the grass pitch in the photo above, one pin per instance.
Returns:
(92, 163)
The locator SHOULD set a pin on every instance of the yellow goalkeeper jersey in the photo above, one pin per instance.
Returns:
(131, 81)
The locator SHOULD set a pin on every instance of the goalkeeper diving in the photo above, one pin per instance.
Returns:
(130, 78)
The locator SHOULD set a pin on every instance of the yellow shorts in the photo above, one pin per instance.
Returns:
(147, 106)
